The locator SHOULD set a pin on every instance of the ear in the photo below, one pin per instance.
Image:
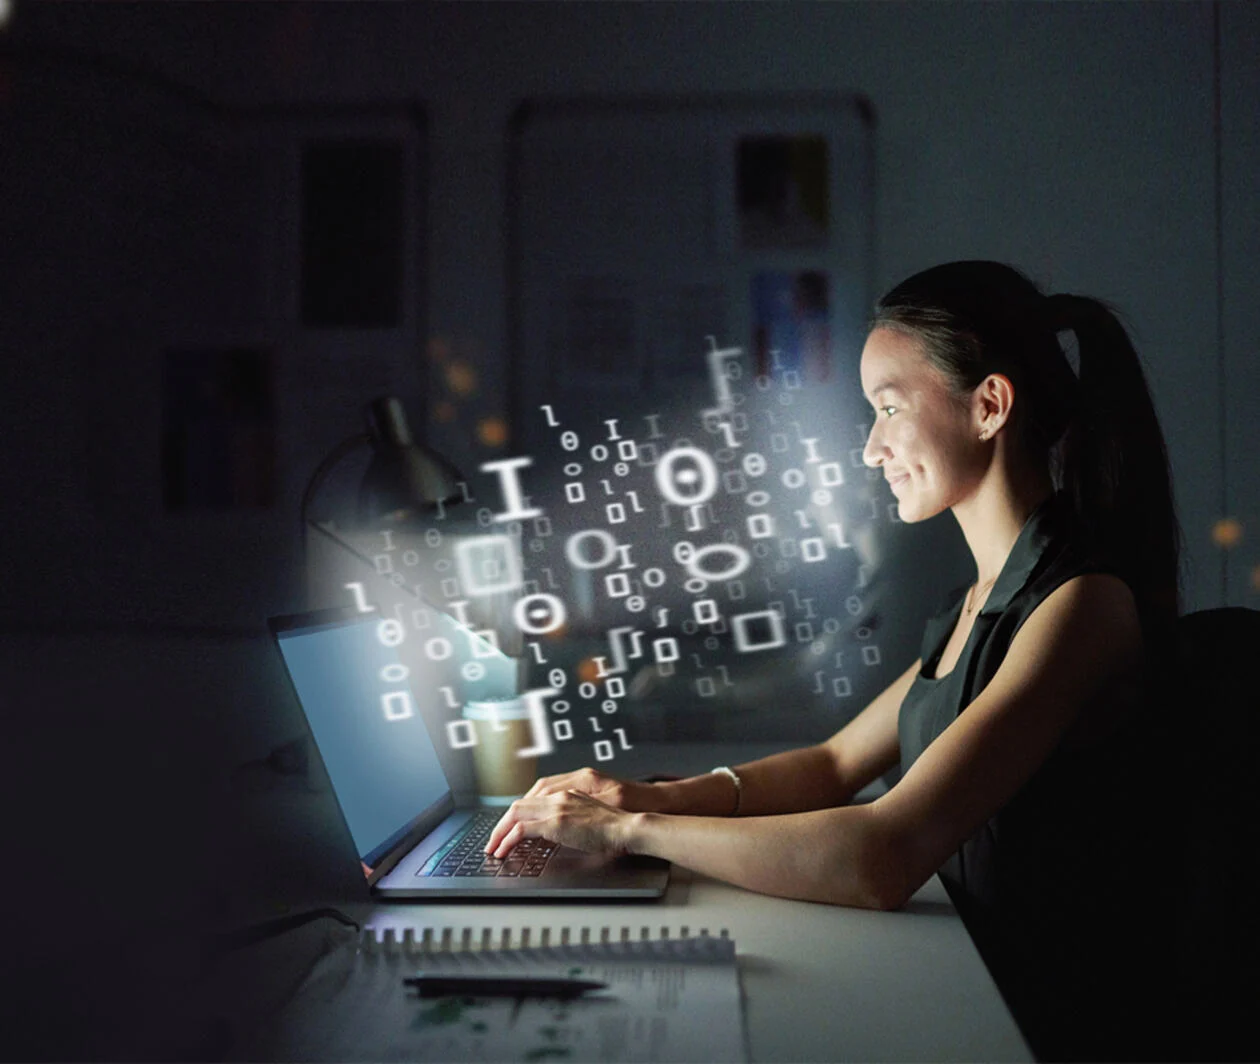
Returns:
(991, 404)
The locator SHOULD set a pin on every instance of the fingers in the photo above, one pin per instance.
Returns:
(541, 788)
(509, 840)
(518, 813)
(506, 822)
(546, 798)
(570, 817)
(522, 821)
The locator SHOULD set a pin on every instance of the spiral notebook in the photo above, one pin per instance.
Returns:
(668, 999)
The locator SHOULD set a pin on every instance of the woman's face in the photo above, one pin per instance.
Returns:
(923, 436)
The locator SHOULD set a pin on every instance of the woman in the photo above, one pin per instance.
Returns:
(1016, 728)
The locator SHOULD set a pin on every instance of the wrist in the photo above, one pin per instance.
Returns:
(665, 798)
(708, 794)
(729, 774)
(637, 830)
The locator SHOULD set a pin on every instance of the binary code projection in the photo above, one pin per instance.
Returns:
(677, 556)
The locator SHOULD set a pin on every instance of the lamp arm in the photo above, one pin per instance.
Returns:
(324, 468)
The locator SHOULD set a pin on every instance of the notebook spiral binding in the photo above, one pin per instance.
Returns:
(386, 941)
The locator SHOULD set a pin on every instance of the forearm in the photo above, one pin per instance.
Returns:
(835, 856)
(791, 782)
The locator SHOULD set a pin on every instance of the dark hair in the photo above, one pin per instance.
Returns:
(1097, 433)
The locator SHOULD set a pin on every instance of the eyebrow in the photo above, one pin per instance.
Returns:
(888, 383)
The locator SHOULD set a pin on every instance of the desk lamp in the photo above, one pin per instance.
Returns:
(404, 480)
(404, 491)
(404, 483)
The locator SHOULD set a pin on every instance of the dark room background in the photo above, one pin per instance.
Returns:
(175, 359)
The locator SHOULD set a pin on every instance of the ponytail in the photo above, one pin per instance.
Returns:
(1113, 465)
(1095, 432)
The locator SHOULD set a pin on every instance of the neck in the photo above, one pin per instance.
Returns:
(992, 517)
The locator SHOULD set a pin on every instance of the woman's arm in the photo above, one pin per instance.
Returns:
(812, 777)
(1080, 645)
(1083, 638)
(838, 855)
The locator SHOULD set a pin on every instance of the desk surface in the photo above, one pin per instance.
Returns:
(820, 982)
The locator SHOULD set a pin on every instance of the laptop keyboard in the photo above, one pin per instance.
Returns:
(462, 856)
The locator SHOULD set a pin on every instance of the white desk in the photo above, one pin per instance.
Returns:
(820, 982)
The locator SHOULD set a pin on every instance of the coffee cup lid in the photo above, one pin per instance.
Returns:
(501, 709)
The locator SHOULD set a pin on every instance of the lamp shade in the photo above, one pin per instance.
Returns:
(404, 479)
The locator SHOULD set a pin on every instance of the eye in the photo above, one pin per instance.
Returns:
(888, 410)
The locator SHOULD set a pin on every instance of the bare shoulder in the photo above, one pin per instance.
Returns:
(1100, 590)
(1094, 599)
(1068, 657)
(1089, 619)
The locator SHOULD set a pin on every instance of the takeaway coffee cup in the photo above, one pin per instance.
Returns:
(502, 729)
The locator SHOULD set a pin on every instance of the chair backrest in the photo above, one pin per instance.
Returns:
(1215, 647)
(1214, 805)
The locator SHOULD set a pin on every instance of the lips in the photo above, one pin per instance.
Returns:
(900, 478)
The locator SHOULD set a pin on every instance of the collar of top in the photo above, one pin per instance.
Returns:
(1038, 531)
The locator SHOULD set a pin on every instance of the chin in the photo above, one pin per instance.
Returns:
(912, 511)
(910, 515)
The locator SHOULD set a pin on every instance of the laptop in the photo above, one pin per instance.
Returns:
(412, 839)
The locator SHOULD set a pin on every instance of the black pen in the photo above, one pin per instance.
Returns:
(436, 984)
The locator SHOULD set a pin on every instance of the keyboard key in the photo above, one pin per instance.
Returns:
(464, 855)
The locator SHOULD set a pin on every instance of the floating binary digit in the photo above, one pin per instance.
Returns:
(539, 614)
(510, 483)
(677, 487)
(710, 532)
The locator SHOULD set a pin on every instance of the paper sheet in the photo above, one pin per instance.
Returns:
(676, 1000)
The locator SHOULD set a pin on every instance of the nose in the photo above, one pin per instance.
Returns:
(875, 451)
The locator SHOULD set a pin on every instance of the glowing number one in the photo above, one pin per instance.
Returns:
(510, 482)
(721, 385)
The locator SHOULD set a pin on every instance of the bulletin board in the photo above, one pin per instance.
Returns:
(638, 228)
(663, 253)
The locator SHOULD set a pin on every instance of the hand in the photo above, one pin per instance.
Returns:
(567, 817)
(620, 794)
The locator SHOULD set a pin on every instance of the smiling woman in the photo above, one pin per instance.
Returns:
(923, 437)
(1020, 730)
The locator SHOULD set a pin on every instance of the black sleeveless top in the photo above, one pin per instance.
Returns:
(1050, 887)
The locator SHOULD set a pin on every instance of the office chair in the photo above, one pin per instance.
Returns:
(1213, 739)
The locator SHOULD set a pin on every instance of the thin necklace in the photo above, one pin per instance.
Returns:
(971, 597)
